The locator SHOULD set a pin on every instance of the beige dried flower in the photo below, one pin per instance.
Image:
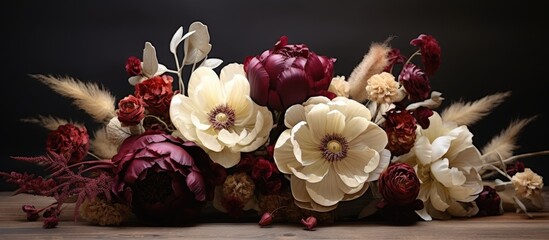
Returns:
(239, 186)
(104, 213)
(527, 183)
(382, 88)
(339, 86)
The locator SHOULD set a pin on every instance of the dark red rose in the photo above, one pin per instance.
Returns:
(156, 94)
(394, 57)
(133, 66)
(422, 115)
(399, 184)
(288, 74)
(164, 179)
(400, 126)
(415, 82)
(489, 202)
(70, 141)
(430, 52)
(130, 111)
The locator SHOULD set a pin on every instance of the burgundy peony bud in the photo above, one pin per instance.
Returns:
(70, 141)
(266, 219)
(133, 66)
(156, 94)
(415, 82)
(422, 115)
(31, 211)
(51, 222)
(130, 111)
(310, 222)
(430, 52)
(394, 57)
(399, 184)
(288, 75)
(163, 178)
(400, 127)
(489, 202)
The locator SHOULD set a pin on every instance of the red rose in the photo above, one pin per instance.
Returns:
(156, 94)
(133, 66)
(415, 82)
(288, 75)
(164, 179)
(430, 52)
(130, 111)
(400, 127)
(70, 141)
(399, 184)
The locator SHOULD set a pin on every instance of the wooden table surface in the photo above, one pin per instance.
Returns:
(508, 226)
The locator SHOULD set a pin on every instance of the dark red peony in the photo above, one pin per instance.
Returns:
(430, 52)
(70, 141)
(415, 82)
(288, 75)
(400, 127)
(164, 179)
(130, 111)
(133, 66)
(156, 94)
(422, 115)
(489, 202)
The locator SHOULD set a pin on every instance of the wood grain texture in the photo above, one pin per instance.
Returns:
(507, 226)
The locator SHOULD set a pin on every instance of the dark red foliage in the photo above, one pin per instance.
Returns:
(69, 140)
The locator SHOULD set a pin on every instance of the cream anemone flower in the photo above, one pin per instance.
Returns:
(447, 164)
(219, 114)
(332, 151)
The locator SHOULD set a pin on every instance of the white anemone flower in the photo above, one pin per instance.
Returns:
(219, 114)
(447, 164)
(332, 151)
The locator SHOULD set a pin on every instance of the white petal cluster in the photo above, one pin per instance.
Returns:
(447, 164)
(332, 151)
(219, 114)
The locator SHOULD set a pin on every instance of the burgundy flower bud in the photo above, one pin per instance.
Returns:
(263, 169)
(399, 184)
(415, 82)
(489, 202)
(288, 74)
(32, 213)
(422, 115)
(133, 66)
(513, 169)
(310, 222)
(51, 222)
(266, 219)
(130, 111)
(394, 57)
(430, 52)
(400, 127)
(156, 94)
(70, 141)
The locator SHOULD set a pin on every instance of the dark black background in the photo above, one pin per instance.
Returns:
(487, 47)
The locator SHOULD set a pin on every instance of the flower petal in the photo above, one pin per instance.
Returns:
(299, 191)
(196, 78)
(225, 157)
(335, 122)
(294, 114)
(209, 141)
(438, 198)
(312, 173)
(150, 63)
(284, 153)
(447, 176)
(325, 192)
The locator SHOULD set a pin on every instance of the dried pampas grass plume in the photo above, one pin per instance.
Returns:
(502, 146)
(97, 102)
(373, 63)
(49, 122)
(468, 113)
(101, 146)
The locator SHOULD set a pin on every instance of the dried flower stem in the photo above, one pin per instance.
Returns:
(161, 121)
(525, 155)
(417, 53)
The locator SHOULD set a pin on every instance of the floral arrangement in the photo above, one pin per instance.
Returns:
(279, 136)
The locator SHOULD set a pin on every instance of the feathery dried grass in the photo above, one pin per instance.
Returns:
(49, 122)
(468, 113)
(101, 146)
(502, 146)
(373, 63)
(97, 102)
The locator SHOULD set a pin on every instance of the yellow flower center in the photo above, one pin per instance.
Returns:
(221, 117)
(334, 146)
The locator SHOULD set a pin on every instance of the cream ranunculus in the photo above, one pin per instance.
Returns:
(339, 86)
(219, 114)
(332, 151)
(447, 164)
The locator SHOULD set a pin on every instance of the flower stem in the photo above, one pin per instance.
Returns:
(418, 52)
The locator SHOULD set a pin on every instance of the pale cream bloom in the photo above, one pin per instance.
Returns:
(527, 183)
(219, 114)
(331, 150)
(339, 86)
(382, 88)
(447, 164)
